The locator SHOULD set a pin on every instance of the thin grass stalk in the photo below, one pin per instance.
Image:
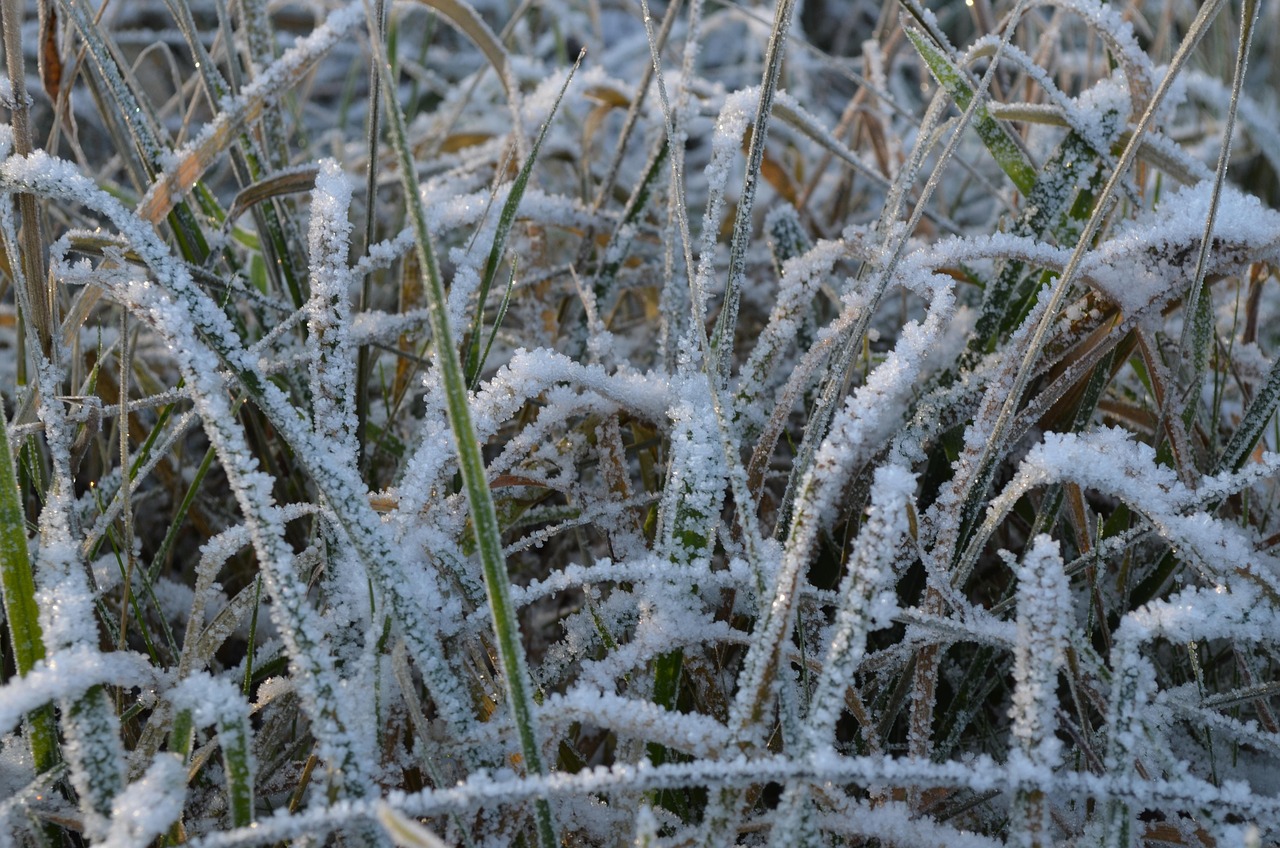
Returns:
(124, 496)
(108, 515)
(864, 606)
(180, 514)
(674, 295)
(1044, 608)
(198, 156)
(202, 700)
(1256, 419)
(260, 39)
(506, 218)
(849, 343)
(1130, 692)
(721, 349)
(373, 132)
(135, 114)
(633, 111)
(1248, 20)
(745, 511)
(36, 297)
(839, 373)
(251, 161)
(470, 461)
(328, 342)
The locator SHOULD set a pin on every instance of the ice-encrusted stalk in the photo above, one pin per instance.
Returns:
(864, 606)
(861, 424)
(801, 276)
(90, 728)
(178, 323)
(205, 331)
(1248, 20)
(1044, 618)
(693, 494)
(147, 807)
(1132, 682)
(484, 519)
(727, 322)
(329, 312)
(895, 245)
(202, 700)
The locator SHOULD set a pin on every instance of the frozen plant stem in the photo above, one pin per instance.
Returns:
(484, 518)
(37, 298)
(1248, 19)
(722, 338)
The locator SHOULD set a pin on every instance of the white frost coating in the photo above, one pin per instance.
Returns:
(1149, 259)
(1044, 621)
(181, 325)
(867, 600)
(332, 356)
(696, 475)
(869, 417)
(874, 411)
(1115, 28)
(801, 277)
(549, 456)
(211, 700)
(737, 112)
(528, 374)
(894, 823)
(68, 674)
(1238, 609)
(692, 733)
(1109, 461)
(148, 806)
(980, 773)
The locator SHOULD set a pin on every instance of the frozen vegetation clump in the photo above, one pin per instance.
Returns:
(609, 422)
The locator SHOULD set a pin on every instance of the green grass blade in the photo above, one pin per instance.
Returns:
(1256, 420)
(471, 463)
(506, 218)
(497, 323)
(20, 608)
(999, 141)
